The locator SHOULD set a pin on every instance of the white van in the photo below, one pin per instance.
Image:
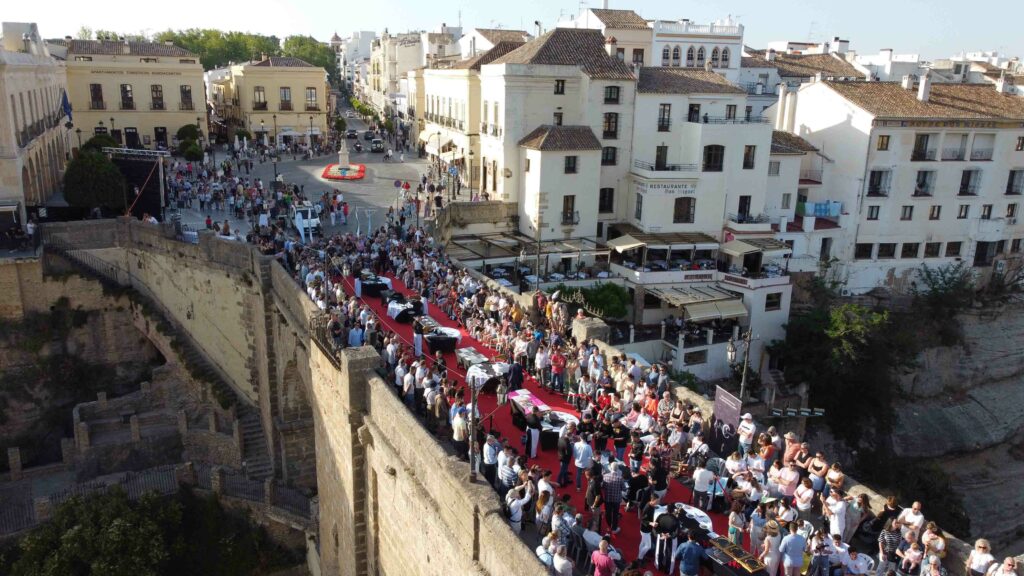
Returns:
(305, 218)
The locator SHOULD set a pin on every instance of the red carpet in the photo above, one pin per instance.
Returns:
(628, 539)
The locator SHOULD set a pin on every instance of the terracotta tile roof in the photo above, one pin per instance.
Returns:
(550, 137)
(786, 143)
(440, 38)
(757, 61)
(499, 50)
(802, 65)
(570, 47)
(967, 101)
(284, 62)
(621, 19)
(495, 35)
(676, 80)
(113, 48)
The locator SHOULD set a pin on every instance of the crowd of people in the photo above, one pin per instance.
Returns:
(785, 502)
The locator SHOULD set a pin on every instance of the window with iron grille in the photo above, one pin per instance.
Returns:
(570, 164)
(664, 117)
(609, 156)
(606, 201)
(683, 210)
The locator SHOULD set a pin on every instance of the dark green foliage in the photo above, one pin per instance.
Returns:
(340, 124)
(216, 48)
(946, 291)
(92, 180)
(316, 53)
(604, 299)
(109, 535)
(241, 133)
(99, 142)
(188, 132)
(191, 151)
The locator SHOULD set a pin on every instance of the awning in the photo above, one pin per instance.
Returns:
(702, 311)
(623, 243)
(706, 246)
(738, 248)
(424, 135)
(731, 309)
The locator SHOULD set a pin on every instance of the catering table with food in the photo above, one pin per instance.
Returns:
(439, 338)
(405, 311)
(521, 403)
(469, 356)
(369, 284)
(485, 375)
(551, 426)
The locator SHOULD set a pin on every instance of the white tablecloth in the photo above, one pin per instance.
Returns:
(479, 374)
(396, 308)
(564, 417)
(449, 332)
(359, 285)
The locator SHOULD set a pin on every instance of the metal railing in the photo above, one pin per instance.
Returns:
(127, 105)
(749, 218)
(953, 153)
(923, 155)
(981, 154)
(156, 105)
(320, 332)
(812, 175)
(878, 190)
(285, 106)
(658, 167)
(259, 105)
(1015, 188)
(968, 190)
(97, 105)
(728, 120)
(312, 108)
(495, 130)
(610, 134)
(664, 125)
(570, 218)
(920, 191)
(187, 106)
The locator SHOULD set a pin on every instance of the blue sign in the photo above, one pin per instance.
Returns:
(398, 183)
(452, 170)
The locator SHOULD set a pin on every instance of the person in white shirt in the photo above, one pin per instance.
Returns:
(562, 565)
(583, 456)
(702, 479)
(911, 519)
(515, 504)
(856, 564)
(745, 433)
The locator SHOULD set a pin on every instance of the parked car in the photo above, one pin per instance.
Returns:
(351, 134)
(368, 135)
(377, 145)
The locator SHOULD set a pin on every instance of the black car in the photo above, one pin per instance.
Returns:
(351, 134)
(368, 135)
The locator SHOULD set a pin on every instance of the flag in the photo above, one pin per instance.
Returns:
(65, 105)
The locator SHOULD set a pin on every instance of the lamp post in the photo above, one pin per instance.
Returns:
(472, 436)
(731, 351)
(273, 160)
(275, 134)
(112, 129)
(471, 173)
(438, 155)
(78, 132)
(311, 135)
(263, 132)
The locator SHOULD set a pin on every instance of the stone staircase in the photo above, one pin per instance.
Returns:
(254, 445)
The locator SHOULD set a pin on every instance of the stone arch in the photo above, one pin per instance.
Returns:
(715, 55)
(690, 56)
(676, 54)
(700, 57)
(664, 56)
(725, 57)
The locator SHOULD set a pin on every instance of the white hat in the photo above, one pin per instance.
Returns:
(747, 416)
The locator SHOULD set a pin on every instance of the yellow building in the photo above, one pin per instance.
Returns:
(140, 93)
(33, 131)
(277, 99)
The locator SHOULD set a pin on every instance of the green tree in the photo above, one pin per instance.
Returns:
(340, 124)
(84, 33)
(92, 180)
(188, 132)
(944, 291)
(241, 133)
(191, 151)
(216, 48)
(99, 142)
(316, 53)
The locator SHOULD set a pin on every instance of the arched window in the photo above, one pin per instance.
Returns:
(700, 57)
(664, 56)
(714, 58)
(675, 56)
(689, 57)
(725, 57)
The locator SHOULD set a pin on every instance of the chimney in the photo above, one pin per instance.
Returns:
(609, 45)
(887, 53)
(908, 82)
(780, 112)
(604, 4)
(1002, 85)
(783, 224)
(819, 76)
(924, 87)
(770, 55)
(472, 46)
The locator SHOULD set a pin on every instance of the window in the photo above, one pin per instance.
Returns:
(638, 212)
(730, 112)
(569, 214)
(683, 210)
(935, 212)
(259, 98)
(689, 57)
(969, 181)
(156, 94)
(664, 117)
(1015, 245)
(609, 156)
(772, 301)
(665, 52)
(1011, 210)
(714, 57)
(286, 95)
(611, 95)
(725, 58)
(907, 213)
(1015, 182)
(873, 212)
(570, 164)
(887, 250)
(185, 93)
(638, 56)
(611, 125)
(952, 249)
(1020, 144)
(559, 86)
(526, 168)
(925, 184)
(311, 98)
(787, 200)
(862, 251)
(700, 57)
(558, 118)
(127, 97)
(95, 97)
(963, 212)
(986, 212)
(773, 167)
(676, 54)
(620, 53)
(747, 112)
(910, 250)
(606, 201)
(748, 157)
(883, 142)
(714, 157)
(931, 249)
(878, 182)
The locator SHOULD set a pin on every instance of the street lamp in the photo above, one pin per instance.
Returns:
(273, 160)
(310, 134)
(112, 129)
(274, 116)
(263, 132)
(471, 173)
(438, 155)
(78, 132)
(731, 351)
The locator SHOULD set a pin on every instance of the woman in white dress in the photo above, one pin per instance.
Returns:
(770, 554)
(758, 521)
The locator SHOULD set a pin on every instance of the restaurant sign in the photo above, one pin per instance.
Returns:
(670, 188)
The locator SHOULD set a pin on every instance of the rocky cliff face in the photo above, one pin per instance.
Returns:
(965, 410)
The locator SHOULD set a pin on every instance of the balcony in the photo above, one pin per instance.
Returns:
(1015, 188)
(663, 167)
(922, 192)
(727, 120)
(187, 106)
(312, 108)
(483, 128)
(878, 191)
(968, 190)
(97, 105)
(810, 177)
(749, 223)
(954, 154)
(611, 100)
(610, 134)
(285, 107)
(495, 130)
(127, 105)
(259, 106)
(571, 218)
(157, 105)
(981, 154)
(755, 88)
(664, 125)
(649, 276)
(756, 281)
(923, 155)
